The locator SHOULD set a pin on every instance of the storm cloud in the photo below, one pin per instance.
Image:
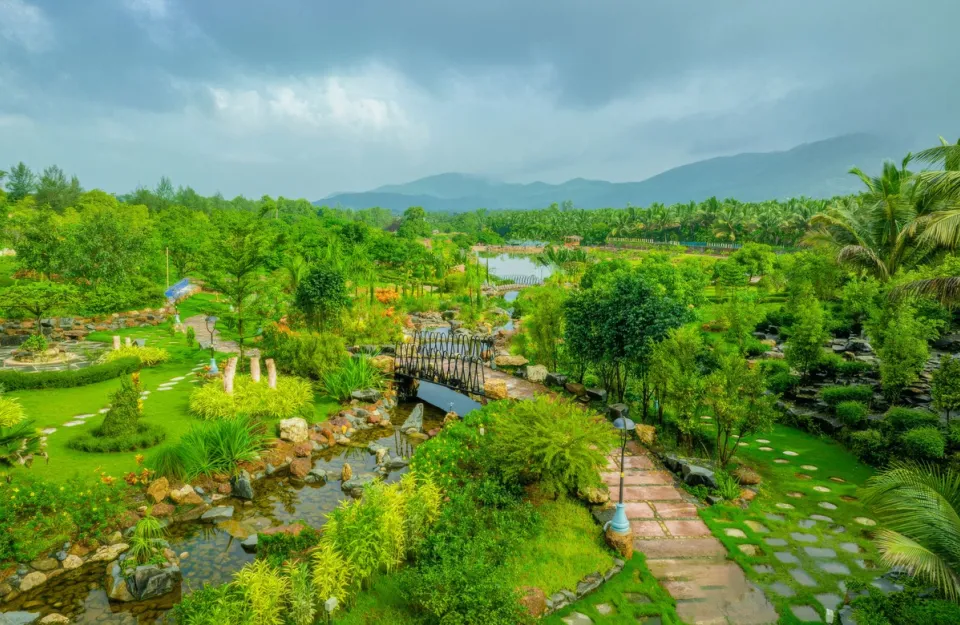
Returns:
(308, 97)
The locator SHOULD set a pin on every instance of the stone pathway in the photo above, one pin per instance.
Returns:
(517, 388)
(691, 564)
(220, 344)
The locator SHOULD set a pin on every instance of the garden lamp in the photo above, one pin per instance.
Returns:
(211, 328)
(620, 524)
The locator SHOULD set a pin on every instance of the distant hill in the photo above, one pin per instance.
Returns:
(816, 169)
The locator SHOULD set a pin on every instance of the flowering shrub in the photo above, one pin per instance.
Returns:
(386, 296)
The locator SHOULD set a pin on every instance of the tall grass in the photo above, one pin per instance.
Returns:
(266, 591)
(355, 373)
(292, 397)
(215, 447)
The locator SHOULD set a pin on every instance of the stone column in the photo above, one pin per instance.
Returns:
(271, 373)
(229, 373)
(255, 368)
(128, 342)
(116, 342)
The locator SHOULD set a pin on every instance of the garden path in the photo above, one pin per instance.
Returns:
(681, 553)
(220, 344)
(517, 388)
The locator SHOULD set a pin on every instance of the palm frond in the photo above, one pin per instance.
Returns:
(944, 290)
(866, 258)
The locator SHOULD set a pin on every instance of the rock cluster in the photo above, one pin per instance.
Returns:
(14, 332)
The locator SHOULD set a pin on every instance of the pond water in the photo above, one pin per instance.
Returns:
(512, 265)
(214, 552)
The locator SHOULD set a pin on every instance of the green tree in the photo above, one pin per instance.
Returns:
(678, 378)
(945, 386)
(740, 314)
(321, 295)
(414, 224)
(804, 347)
(55, 191)
(904, 350)
(545, 325)
(21, 182)
(38, 238)
(741, 407)
(186, 234)
(38, 299)
(756, 259)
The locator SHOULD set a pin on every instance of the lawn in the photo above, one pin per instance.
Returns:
(805, 536)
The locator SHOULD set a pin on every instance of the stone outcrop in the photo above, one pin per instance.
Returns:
(415, 421)
(495, 389)
(294, 430)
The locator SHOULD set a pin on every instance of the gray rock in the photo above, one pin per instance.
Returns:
(414, 421)
(316, 476)
(367, 395)
(242, 487)
(150, 581)
(694, 475)
(249, 544)
(577, 618)
(220, 513)
(589, 584)
(714, 500)
(617, 411)
(199, 491)
(18, 618)
(270, 469)
(395, 464)
(597, 394)
(359, 482)
(556, 379)
(674, 463)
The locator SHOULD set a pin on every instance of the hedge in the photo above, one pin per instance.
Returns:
(24, 381)
(147, 435)
(833, 395)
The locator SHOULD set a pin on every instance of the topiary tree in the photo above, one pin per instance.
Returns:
(321, 295)
(945, 386)
(126, 409)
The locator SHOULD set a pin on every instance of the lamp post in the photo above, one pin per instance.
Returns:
(620, 524)
(211, 328)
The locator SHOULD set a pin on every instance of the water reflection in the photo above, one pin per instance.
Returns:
(513, 265)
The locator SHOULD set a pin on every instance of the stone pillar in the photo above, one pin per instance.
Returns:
(116, 342)
(255, 368)
(271, 373)
(229, 373)
(128, 342)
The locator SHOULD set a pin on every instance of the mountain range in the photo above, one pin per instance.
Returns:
(818, 169)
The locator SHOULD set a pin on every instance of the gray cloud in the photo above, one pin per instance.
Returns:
(304, 98)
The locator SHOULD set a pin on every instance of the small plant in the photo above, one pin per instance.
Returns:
(148, 356)
(727, 486)
(11, 412)
(35, 344)
(214, 605)
(147, 541)
(870, 446)
(899, 420)
(292, 397)
(331, 574)
(121, 429)
(266, 591)
(924, 443)
(833, 395)
(191, 336)
(301, 609)
(355, 373)
(852, 413)
(211, 448)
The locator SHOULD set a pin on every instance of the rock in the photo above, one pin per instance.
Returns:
(577, 618)
(714, 500)
(395, 464)
(621, 543)
(346, 472)
(747, 495)
(386, 364)
(108, 553)
(534, 600)
(45, 564)
(589, 583)
(537, 373)
(300, 467)
(225, 488)
(594, 495)
(54, 619)
(293, 529)
(495, 389)
(359, 482)
(220, 513)
(32, 580)
(618, 411)
(186, 496)
(158, 490)
(414, 421)
(294, 430)
(578, 390)
(746, 476)
(330, 605)
(367, 395)
(597, 394)
(242, 486)
(116, 585)
(694, 475)
(303, 450)
(162, 510)
(150, 581)
(114, 538)
(249, 543)
(18, 618)
(674, 462)
(72, 562)
(510, 360)
(315, 476)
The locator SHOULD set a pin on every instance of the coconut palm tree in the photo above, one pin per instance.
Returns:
(919, 507)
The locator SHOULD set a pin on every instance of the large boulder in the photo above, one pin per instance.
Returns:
(618, 411)
(300, 467)
(415, 421)
(18, 618)
(746, 476)
(186, 496)
(32, 580)
(495, 389)
(385, 364)
(537, 373)
(294, 430)
(597, 394)
(116, 585)
(108, 553)
(555, 379)
(510, 360)
(158, 490)
(242, 486)
(621, 543)
(359, 482)
(694, 475)
(574, 388)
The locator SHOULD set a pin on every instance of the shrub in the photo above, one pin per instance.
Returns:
(147, 541)
(144, 436)
(550, 442)
(306, 355)
(781, 383)
(125, 409)
(11, 412)
(35, 343)
(301, 609)
(266, 591)
(355, 373)
(331, 573)
(753, 347)
(852, 413)
(915, 606)
(148, 356)
(22, 381)
(828, 364)
(280, 547)
(869, 446)
(773, 367)
(833, 395)
(854, 367)
(214, 605)
(292, 397)
(168, 462)
(924, 443)
(727, 486)
(191, 336)
(211, 448)
(899, 420)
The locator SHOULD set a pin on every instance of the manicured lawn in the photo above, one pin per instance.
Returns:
(805, 536)
(628, 597)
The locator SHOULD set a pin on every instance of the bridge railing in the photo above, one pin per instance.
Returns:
(453, 361)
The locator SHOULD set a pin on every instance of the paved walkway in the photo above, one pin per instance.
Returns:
(199, 325)
(517, 388)
(681, 553)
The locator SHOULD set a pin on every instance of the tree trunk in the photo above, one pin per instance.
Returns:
(255, 368)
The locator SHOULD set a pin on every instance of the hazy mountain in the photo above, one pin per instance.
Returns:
(813, 169)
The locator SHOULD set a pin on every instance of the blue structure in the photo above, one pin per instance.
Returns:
(178, 290)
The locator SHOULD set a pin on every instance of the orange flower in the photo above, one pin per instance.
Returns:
(139, 458)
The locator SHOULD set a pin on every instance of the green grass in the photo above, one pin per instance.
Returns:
(8, 265)
(570, 548)
(830, 460)
(633, 594)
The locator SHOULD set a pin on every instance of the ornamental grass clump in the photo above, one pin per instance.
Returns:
(355, 373)
(210, 448)
(266, 590)
(292, 397)
(148, 356)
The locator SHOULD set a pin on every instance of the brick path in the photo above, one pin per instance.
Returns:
(681, 553)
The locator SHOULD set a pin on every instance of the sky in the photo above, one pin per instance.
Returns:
(304, 98)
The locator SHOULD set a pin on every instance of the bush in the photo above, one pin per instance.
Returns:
(924, 443)
(854, 367)
(191, 336)
(35, 343)
(206, 449)
(727, 486)
(870, 446)
(914, 606)
(852, 413)
(773, 367)
(304, 355)
(753, 347)
(899, 420)
(144, 436)
(833, 395)
(829, 364)
(266, 592)
(22, 381)
(355, 373)
(148, 356)
(280, 547)
(781, 383)
(292, 397)
(11, 412)
(214, 605)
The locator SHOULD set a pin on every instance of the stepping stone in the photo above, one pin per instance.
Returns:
(741, 444)
(781, 461)
(851, 547)
(803, 538)
(734, 533)
(759, 528)
(862, 520)
(807, 523)
(48, 431)
(838, 480)
(775, 542)
(145, 392)
(795, 495)
(836, 568)
(604, 608)
(750, 550)
(577, 618)
(821, 489)
(829, 601)
(762, 440)
(790, 453)
(786, 557)
(826, 505)
(820, 552)
(806, 614)
(848, 497)
(802, 476)
(766, 449)
(637, 598)
(104, 410)
(802, 577)
(808, 467)
(165, 388)
(70, 424)
(838, 529)
(784, 506)
(85, 416)
(820, 517)
(177, 379)
(775, 517)
(762, 569)
(782, 589)
(706, 417)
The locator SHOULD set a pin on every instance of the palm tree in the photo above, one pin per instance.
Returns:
(919, 505)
